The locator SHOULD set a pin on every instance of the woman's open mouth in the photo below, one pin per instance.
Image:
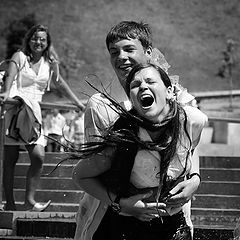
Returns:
(146, 101)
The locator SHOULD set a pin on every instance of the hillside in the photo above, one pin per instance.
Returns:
(191, 33)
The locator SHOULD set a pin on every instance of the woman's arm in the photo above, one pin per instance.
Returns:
(11, 74)
(62, 85)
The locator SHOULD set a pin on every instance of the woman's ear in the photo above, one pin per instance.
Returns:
(170, 93)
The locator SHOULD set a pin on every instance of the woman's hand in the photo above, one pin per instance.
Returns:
(183, 192)
(136, 207)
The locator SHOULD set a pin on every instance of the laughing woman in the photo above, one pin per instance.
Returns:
(144, 155)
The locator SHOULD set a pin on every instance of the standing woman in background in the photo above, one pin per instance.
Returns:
(30, 71)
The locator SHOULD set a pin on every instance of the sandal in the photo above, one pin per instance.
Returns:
(39, 207)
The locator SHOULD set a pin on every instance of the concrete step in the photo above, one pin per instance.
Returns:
(215, 222)
(205, 161)
(53, 225)
(55, 188)
(219, 188)
(48, 183)
(31, 238)
(51, 157)
(65, 170)
(207, 233)
(47, 223)
(215, 218)
(207, 187)
(45, 229)
(59, 228)
(220, 174)
(57, 196)
(54, 207)
(215, 212)
(219, 162)
(216, 201)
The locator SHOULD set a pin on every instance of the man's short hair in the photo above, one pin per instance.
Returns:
(130, 30)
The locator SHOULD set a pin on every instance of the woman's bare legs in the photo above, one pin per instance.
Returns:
(11, 154)
(36, 155)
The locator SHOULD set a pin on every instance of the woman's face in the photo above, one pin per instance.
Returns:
(149, 95)
(38, 42)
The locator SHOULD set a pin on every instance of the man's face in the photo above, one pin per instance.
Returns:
(126, 53)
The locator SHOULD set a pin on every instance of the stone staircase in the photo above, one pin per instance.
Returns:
(215, 206)
(58, 220)
(58, 186)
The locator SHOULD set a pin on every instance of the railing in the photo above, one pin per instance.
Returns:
(216, 94)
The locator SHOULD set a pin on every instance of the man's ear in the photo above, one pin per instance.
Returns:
(149, 51)
(170, 92)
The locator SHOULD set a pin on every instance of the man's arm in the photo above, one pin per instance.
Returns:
(98, 117)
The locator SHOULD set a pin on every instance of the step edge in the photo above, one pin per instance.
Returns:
(215, 209)
(219, 169)
(51, 190)
(216, 195)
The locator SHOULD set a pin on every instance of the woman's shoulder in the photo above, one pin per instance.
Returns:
(19, 58)
(18, 55)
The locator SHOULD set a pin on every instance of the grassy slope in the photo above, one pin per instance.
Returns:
(191, 33)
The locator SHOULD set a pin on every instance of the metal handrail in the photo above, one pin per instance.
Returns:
(224, 119)
(216, 94)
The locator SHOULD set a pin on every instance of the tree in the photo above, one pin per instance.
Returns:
(226, 68)
(15, 32)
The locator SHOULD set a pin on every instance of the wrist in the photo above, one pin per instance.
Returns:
(115, 205)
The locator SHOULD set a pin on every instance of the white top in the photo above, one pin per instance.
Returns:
(147, 163)
(27, 82)
(29, 85)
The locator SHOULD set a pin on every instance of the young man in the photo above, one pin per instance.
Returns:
(128, 43)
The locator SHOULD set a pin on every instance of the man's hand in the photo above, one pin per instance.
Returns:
(136, 207)
(183, 192)
(4, 96)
